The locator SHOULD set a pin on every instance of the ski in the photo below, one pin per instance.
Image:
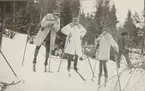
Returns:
(99, 86)
(69, 74)
(79, 74)
(105, 82)
(4, 85)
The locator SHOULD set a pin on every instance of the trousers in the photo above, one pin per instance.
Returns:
(47, 44)
(126, 55)
(102, 65)
(70, 59)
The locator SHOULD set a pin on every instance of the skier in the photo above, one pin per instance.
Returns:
(50, 25)
(104, 43)
(122, 49)
(75, 33)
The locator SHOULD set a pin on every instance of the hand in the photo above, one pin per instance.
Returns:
(52, 24)
(117, 50)
(81, 37)
(126, 50)
(42, 29)
(70, 35)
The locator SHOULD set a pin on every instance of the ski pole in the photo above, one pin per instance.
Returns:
(49, 63)
(118, 73)
(25, 46)
(24, 52)
(9, 64)
(63, 54)
(95, 63)
(90, 64)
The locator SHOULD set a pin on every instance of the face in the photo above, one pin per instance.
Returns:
(104, 31)
(125, 36)
(56, 16)
(75, 21)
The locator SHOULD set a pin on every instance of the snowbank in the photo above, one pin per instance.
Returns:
(133, 80)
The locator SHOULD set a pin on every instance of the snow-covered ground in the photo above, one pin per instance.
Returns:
(60, 81)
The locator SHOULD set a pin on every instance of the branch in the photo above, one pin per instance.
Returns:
(115, 76)
(5, 85)
(128, 81)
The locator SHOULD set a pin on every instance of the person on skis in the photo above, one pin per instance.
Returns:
(75, 32)
(50, 25)
(103, 44)
(122, 49)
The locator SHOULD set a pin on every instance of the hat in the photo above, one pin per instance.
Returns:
(75, 15)
(75, 18)
(56, 12)
(124, 33)
(105, 28)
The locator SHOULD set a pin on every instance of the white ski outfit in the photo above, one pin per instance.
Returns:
(73, 41)
(48, 23)
(105, 41)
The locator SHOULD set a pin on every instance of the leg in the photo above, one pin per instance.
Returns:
(75, 62)
(100, 71)
(126, 54)
(69, 61)
(119, 59)
(47, 54)
(36, 53)
(35, 57)
(47, 43)
(105, 70)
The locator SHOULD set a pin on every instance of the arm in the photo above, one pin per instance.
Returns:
(66, 30)
(113, 43)
(46, 21)
(83, 31)
(56, 25)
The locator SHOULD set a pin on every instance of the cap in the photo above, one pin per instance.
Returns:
(124, 33)
(105, 28)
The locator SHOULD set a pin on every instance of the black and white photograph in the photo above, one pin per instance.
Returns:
(72, 45)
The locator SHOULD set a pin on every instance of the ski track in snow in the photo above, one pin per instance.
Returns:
(58, 81)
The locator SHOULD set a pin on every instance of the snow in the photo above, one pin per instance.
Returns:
(60, 81)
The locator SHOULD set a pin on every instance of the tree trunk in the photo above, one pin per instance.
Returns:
(142, 49)
(2, 25)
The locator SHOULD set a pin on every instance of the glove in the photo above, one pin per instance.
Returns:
(70, 35)
(52, 24)
(81, 37)
(42, 29)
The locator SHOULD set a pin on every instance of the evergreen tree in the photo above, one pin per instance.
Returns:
(65, 14)
(113, 20)
(129, 26)
(67, 9)
(99, 16)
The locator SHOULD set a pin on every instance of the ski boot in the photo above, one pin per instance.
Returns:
(99, 80)
(106, 78)
(45, 69)
(68, 68)
(34, 67)
(75, 68)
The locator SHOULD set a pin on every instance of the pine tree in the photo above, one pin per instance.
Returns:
(65, 14)
(67, 8)
(113, 20)
(129, 26)
(99, 16)
(103, 15)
